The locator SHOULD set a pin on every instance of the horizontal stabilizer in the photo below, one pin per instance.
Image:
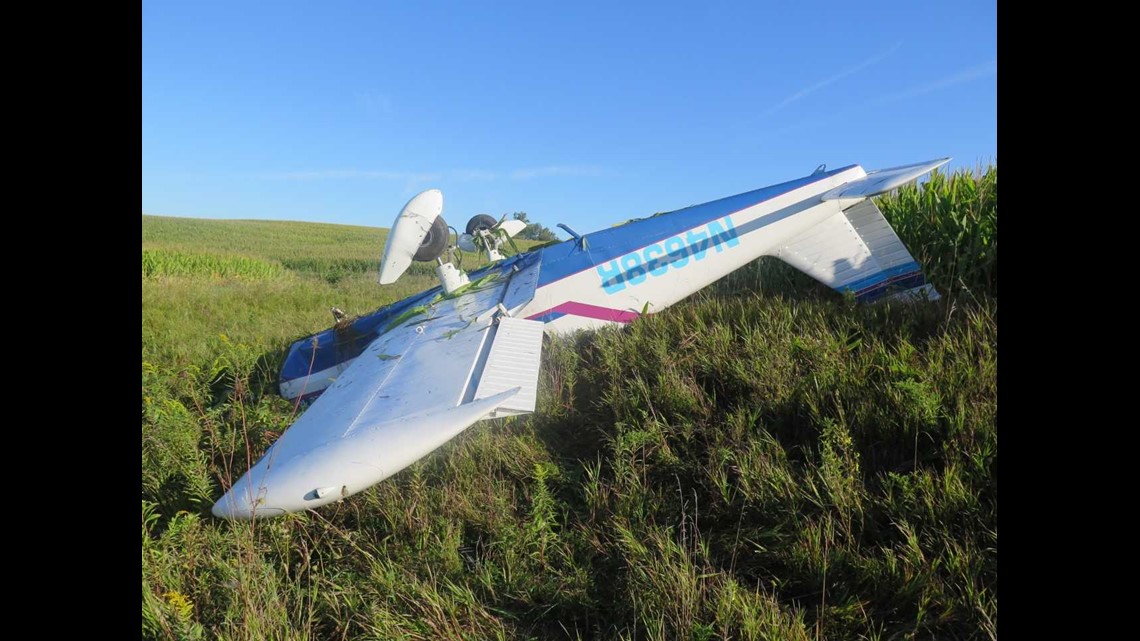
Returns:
(856, 250)
(882, 180)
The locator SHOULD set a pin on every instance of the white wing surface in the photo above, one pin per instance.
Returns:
(421, 382)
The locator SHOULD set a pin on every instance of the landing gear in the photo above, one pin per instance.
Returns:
(435, 243)
(480, 221)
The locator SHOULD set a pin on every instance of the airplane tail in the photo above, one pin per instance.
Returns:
(856, 250)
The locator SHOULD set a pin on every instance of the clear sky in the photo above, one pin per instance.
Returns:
(583, 113)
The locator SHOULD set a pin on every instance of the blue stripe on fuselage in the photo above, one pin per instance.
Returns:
(334, 347)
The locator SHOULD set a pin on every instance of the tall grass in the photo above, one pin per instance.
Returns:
(763, 461)
(157, 263)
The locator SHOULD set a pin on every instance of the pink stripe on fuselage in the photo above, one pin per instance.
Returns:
(590, 311)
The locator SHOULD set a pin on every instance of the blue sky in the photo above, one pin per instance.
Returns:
(581, 113)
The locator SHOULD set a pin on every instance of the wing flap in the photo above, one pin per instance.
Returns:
(513, 363)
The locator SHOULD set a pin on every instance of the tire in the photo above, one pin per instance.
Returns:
(480, 221)
(434, 243)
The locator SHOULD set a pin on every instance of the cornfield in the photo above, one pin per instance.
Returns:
(950, 226)
(157, 263)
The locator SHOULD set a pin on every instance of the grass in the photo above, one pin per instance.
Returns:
(766, 460)
(159, 263)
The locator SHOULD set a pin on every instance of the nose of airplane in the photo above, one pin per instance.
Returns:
(244, 502)
(233, 505)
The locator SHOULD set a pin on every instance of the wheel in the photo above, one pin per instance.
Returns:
(434, 243)
(480, 221)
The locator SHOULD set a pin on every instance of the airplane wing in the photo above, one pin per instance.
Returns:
(429, 375)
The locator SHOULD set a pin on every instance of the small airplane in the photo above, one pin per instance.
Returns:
(392, 386)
